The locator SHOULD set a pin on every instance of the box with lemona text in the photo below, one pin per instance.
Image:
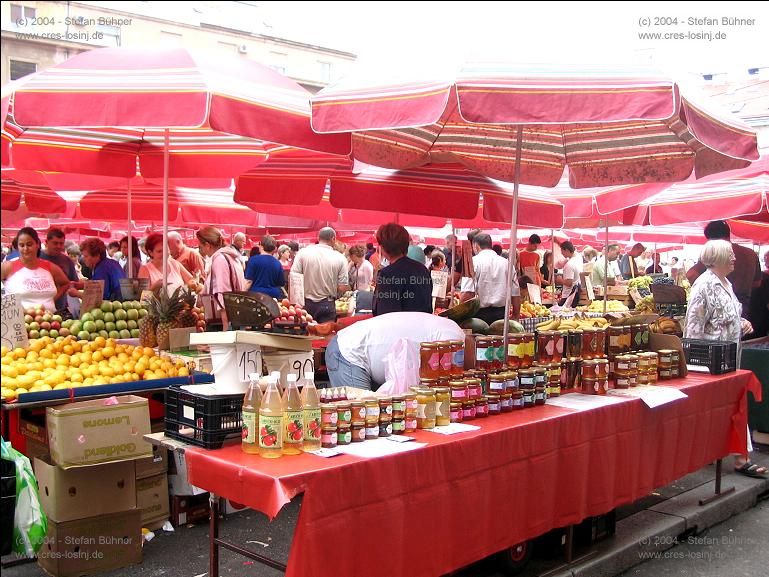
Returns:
(99, 431)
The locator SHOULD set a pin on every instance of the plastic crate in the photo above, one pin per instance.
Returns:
(719, 356)
(530, 324)
(201, 420)
(8, 504)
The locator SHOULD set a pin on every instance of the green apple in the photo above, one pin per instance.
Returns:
(106, 307)
(120, 315)
(97, 314)
(86, 317)
(125, 334)
(89, 326)
(83, 336)
(121, 325)
(109, 327)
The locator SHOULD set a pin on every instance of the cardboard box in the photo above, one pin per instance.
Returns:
(32, 426)
(285, 342)
(92, 545)
(35, 450)
(189, 509)
(157, 464)
(195, 360)
(152, 500)
(81, 492)
(177, 476)
(92, 432)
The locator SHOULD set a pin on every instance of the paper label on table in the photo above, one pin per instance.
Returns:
(378, 448)
(14, 332)
(399, 438)
(440, 282)
(454, 428)
(249, 361)
(535, 293)
(580, 402)
(93, 295)
(652, 395)
(325, 452)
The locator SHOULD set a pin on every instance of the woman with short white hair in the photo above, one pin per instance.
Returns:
(715, 314)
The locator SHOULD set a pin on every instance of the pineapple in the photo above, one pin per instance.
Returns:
(167, 310)
(188, 318)
(147, 327)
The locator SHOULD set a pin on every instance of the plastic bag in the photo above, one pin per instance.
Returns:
(401, 368)
(30, 524)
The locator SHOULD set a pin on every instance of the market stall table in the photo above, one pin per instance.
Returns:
(463, 497)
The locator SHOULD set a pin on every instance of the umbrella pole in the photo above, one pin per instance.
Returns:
(165, 207)
(513, 254)
(605, 265)
(552, 261)
(130, 244)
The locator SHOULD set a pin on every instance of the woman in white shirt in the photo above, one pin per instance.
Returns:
(715, 314)
(361, 271)
(177, 275)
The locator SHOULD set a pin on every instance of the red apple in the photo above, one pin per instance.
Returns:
(30, 311)
(39, 318)
(45, 325)
(55, 325)
(285, 302)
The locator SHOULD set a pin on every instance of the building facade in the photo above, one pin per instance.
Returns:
(37, 35)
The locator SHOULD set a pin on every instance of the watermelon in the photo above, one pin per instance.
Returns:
(477, 326)
(498, 327)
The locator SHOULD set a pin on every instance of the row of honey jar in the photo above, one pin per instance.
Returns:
(591, 343)
(441, 359)
(629, 370)
(346, 422)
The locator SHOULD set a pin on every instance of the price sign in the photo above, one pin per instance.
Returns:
(440, 282)
(147, 295)
(535, 293)
(93, 295)
(14, 332)
(589, 289)
(249, 361)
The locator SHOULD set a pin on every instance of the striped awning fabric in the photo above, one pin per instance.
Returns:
(610, 127)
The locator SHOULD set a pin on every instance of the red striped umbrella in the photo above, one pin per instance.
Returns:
(38, 196)
(294, 181)
(610, 127)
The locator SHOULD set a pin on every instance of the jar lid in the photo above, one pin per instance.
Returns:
(498, 377)
(429, 345)
(426, 391)
(456, 405)
(457, 342)
(601, 361)
(372, 402)
(589, 362)
(470, 403)
(397, 398)
(666, 351)
(472, 381)
(526, 372)
(492, 396)
(443, 343)
(343, 405)
(443, 390)
(457, 384)
(385, 399)
(357, 404)
(328, 407)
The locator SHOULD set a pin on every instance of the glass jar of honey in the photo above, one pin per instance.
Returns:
(428, 382)
(399, 426)
(385, 409)
(456, 412)
(575, 343)
(429, 360)
(358, 409)
(589, 369)
(468, 410)
(457, 349)
(665, 358)
(442, 406)
(483, 352)
(343, 435)
(372, 412)
(511, 381)
(622, 382)
(458, 391)
(541, 376)
(647, 362)
(643, 379)
(410, 423)
(445, 362)
(493, 401)
(517, 399)
(515, 349)
(328, 436)
(328, 416)
(594, 386)
(372, 431)
(506, 402)
(425, 408)
(528, 397)
(358, 433)
(616, 341)
(410, 400)
(385, 429)
(591, 343)
(344, 414)
(526, 378)
(540, 394)
(554, 380)
(549, 346)
(474, 389)
(481, 408)
(399, 406)
(497, 383)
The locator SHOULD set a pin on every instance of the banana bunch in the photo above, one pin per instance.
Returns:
(646, 305)
(611, 306)
(666, 326)
(572, 324)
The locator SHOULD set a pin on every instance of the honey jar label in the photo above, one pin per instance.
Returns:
(497, 386)
(372, 431)
(343, 437)
(446, 361)
(344, 416)
(372, 411)
(441, 409)
(434, 362)
(500, 354)
(459, 358)
(494, 407)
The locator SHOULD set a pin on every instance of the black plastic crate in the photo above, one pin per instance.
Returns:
(719, 356)
(203, 421)
(7, 504)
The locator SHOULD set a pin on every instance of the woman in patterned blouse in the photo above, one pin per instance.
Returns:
(714, 313)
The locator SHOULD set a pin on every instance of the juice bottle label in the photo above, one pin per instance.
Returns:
(249, 427)
(270, 431)
(294, 427)
(311, 424)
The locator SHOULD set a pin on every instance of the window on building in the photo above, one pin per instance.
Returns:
(111, 35)
(325, 71)
(19, 12)
(20, 69)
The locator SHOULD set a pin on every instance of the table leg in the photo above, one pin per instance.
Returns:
(213, 537)
(719, 493)
(570, 544)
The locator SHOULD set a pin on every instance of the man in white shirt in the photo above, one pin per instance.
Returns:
(490, 281)
(570, 279)
(325, 275)
(356, 357)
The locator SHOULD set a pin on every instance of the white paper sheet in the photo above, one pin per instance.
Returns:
(580, 402)
(653, 396)
(378, 448)
(453, 429)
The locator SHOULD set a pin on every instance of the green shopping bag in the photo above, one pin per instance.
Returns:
(30, 523)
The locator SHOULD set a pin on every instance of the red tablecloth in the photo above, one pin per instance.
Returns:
(463, 497)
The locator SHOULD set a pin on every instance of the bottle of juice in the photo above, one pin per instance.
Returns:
(279, 379)
(293, 421)
(311, 411)
(251, 403)
(271, 422)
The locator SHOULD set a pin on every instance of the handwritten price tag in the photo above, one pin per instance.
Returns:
(14, 332)
(249, 360)
(93, 294)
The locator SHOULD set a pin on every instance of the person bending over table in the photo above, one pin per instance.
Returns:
(356, 356)
(714, 314)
